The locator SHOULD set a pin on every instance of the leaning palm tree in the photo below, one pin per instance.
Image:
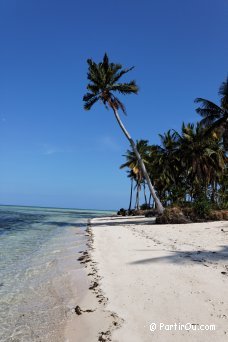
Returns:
(104, 82)
(215, 117)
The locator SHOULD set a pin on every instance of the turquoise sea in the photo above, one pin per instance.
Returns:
(38, 255)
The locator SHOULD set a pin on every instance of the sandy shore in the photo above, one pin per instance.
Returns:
(141, 273)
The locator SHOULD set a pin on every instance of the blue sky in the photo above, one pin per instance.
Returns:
(52, 152)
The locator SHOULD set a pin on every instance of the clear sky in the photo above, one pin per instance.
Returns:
(52, 152)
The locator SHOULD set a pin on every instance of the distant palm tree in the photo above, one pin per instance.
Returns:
(165, 167)
(132, 177)
(133, 164)
(132, 161)
(201, 156)
(104, 81)
(215, 117)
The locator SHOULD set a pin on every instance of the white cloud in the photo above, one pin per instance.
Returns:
(2, 118)
(48, 149)
(109, 143)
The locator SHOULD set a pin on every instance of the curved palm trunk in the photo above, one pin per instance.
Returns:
(159, 206)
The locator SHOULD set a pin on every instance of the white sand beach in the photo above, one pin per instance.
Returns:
(161, 274)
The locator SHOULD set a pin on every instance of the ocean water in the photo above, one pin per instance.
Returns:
(38, 256)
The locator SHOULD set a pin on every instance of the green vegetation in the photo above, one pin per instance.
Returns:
(188, 168)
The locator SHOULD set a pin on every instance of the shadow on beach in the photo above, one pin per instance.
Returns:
(188, 257)
(123, 221)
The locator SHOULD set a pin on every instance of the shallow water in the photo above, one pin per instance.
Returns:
(38, 254)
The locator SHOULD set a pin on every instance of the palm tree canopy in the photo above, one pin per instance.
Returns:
(104, 82)
(223, 92)
(131, 160)
(201, 155)
(215, 117)
(164, 161)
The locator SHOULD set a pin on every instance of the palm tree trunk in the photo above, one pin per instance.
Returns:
(138, 191)
(150, 200)
(159, 206)
(144, 189)
(131, 195)
(137, 197)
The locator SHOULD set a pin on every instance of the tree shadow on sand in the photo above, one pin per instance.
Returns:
(122, 222)
(205, 257)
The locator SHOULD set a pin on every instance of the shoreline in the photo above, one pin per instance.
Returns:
(90, 321)
(139, 273)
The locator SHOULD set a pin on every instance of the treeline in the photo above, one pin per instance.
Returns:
(189, 166)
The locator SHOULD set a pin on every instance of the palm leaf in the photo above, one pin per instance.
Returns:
(125, 88)
(103, 79)
(120, 74)
(89, 100)
(223, 92)
(208, 108)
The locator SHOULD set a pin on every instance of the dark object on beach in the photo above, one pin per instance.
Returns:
(138, 212)
(218, 215)
(224, 272)
(104, 336)
(84, 258)
(151, 213)
(172, 215)
(144, 212)
(122, 212)
(78, 310)
(213, 215)
(224, 231)
(92, 287)
(1, 284)
(177, 215)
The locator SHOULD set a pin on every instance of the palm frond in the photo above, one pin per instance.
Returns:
(103, 79)
(218, 124)
(93, 74)
(207, 121)
(94, 88)
(223, 92)
(105, 62)
(121, 73)
(207, 108)
(125, 88)
(89, 100)
(127, 164)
